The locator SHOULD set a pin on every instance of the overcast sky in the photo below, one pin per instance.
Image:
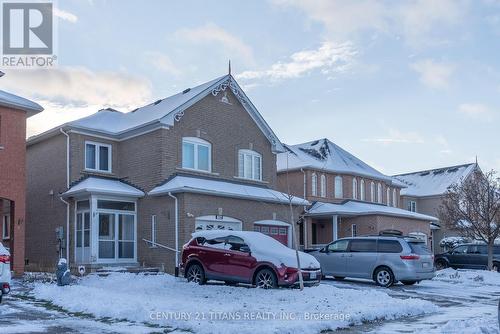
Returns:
(404, 85)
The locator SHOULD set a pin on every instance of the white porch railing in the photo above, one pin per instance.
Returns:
(160, 245)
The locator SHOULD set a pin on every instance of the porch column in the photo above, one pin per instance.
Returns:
(335, 227)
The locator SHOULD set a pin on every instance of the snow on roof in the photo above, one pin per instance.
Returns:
(182, 183)
(17, 102)
(98, 185)
(355, 208)
(324, 155)
(434, 181)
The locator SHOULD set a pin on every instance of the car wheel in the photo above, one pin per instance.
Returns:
(408, 282)
(196, 274)
(266, 279)
(496, 267)
(339, 278)
(441, 264)
(384, 277)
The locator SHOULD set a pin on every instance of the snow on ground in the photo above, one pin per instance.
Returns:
(468, 277)
(172, 302)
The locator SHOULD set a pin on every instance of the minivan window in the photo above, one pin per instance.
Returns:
(338, 246)
(389, 246)
(419, 248)
(363, 245)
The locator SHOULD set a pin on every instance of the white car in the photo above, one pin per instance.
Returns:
(4, 271)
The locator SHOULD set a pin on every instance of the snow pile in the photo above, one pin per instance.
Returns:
(480, 325)
(468, 277)
(172, 302)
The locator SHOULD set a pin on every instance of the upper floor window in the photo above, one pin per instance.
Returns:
(97, 157)
(394, 198)
(388, 196)
(354, 188)
(5, 227)
(322, 186)
(362, 190)
(249, 165)
(372, 192)
(196, 154)
(314, 185)
(339, 193)
(412, 206)
(379, 193)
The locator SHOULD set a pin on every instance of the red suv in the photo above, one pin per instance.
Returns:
(245, 257)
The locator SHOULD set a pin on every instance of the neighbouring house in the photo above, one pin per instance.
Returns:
(14, 111)
(425, 190)
(129, 188)
(348, 196)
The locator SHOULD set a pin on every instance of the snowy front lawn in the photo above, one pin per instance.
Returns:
(172, 302)
(469, 277)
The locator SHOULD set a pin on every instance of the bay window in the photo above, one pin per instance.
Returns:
(249, 165)
(196, 154)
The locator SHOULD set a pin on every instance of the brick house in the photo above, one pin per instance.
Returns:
(130, 188)
(348, 196)
(14, 111)
(425, 190)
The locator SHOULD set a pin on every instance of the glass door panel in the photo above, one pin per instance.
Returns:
(106, 236)
(126, 236)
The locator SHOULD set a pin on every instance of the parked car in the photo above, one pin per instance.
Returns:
(470, 256)
(384, 259)
(245, 257)
(4, 271)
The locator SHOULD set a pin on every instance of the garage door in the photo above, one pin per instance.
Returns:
(216, 223)
(277, 232)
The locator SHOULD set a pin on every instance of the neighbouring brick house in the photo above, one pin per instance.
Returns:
(14, 111)
(348, 196)
(425, 190)
(130, 188)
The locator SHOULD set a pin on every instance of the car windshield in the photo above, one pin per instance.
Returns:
(419, 248)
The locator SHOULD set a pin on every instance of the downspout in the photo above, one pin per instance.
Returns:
(305, 208)
(65, 202)
(176, 215)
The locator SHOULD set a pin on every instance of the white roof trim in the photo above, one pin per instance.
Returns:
(17, 102)
(101, 186)
(188, 184)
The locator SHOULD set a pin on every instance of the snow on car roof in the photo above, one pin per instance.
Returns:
(252, 237)
(325, 155)
(434, 181)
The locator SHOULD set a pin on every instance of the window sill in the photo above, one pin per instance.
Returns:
(98, 171)
(6, 238)
(250, 180)
(192, 170)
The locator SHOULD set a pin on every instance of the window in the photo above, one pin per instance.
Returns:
(5, 227)
(264, 229)
(354, 230)
(354, 188)
(363, 246)
(372, 192)
(274, 230)
(362, 190)
(115, 205)
(388, 196)
(97, 157)
(389, 246)
(412, 206)
(339, 193)
(459, 250)
(249, 165)
(323, 186)
(379, 193)
(153, 231)
(420, 248)
(283, 231)
(394, 198)
(196, 154)
(314, 185)
(338, 246)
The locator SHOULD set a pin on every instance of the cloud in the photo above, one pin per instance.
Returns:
(475, 110)
(433, 74)
(329, 58)
(211, 33)
(161, 62)
(397, 137)
(64, 15)
(68, 93)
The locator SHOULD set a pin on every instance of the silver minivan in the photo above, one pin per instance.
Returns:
(384, 259)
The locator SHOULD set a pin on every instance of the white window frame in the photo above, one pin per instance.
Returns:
(339, 185)
(197, 142)
(372, 192)
(153, 231)
(394, 198)
(6, 227)
(323, 185)
(379, 193)
(97, 156)
(362, 190)
(241, 168)
(412, 206)
(354, 188)
(314, 184)
(388, 196)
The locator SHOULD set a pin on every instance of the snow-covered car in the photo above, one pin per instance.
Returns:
(4, 271)
(245, 257)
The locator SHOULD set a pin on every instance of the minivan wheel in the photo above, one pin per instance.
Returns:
(196, 274)
(441, 264)
(266, 279)
(384, 277)
(408, 282)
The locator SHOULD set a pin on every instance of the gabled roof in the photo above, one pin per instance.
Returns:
(324, 155)
(13, 101)
(434, 182)
(162, 113)
(355, 208)
(181, 183)
(103, 186)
